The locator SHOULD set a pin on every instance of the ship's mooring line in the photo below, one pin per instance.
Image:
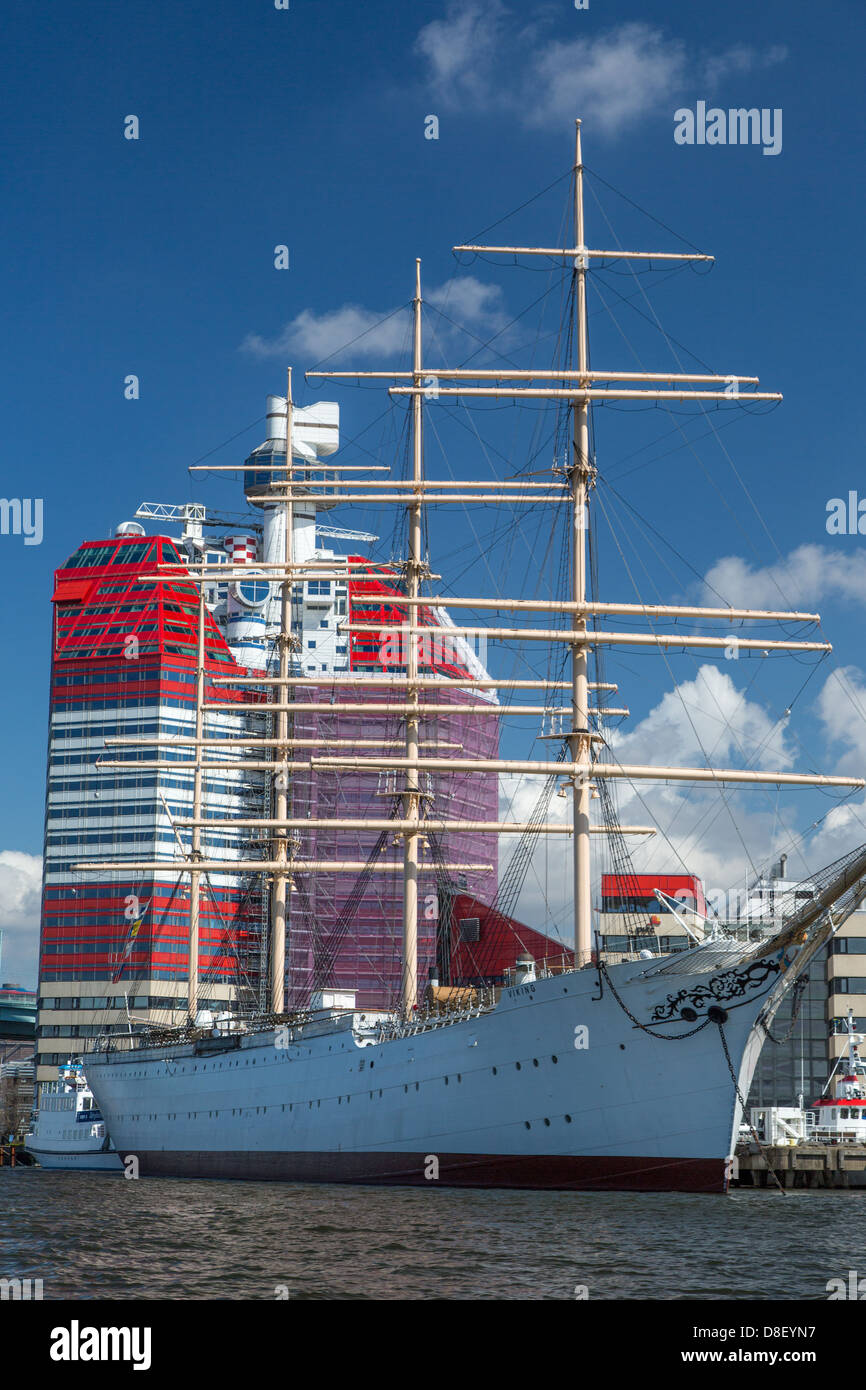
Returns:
(754, 1133)
(668, 1037)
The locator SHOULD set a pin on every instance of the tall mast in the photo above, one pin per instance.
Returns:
(579, 386)
(281, 878)
(195, 852)
(411, 796)
(579, 741)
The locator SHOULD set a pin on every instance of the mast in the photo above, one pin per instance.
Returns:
(411, 796)
(580, 477)
(579, 387)
(195, 851)
(281, 880)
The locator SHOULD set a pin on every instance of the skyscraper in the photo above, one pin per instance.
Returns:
(114, 949)
(123, 667)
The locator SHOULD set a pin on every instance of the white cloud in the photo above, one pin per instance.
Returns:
(483, 58)
(719, 836)
(316, 337)
(368, 334)
(808, 575)
(739, 60)
(841, 710)
(805, 578)
(841, 706)
(705, 717)
(610, 81)
(462, 52)
(843, 830)
(469, 301)
(20, 894)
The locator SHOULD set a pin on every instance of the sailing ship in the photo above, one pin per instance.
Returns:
(583, 1072)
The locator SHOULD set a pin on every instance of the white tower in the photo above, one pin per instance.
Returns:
(315, 436)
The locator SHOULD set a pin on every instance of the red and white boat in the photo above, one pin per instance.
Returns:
(840, 1117)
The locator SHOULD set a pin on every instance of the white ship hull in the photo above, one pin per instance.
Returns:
(510, 1098)
(84, 1161)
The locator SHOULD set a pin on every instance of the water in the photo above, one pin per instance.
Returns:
(98, 1236)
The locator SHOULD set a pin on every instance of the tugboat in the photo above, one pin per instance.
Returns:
(69, 1131)
(840, 1118)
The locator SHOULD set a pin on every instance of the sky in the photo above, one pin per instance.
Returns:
(306, 127)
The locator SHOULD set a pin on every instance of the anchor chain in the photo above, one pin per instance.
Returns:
(754, 1133)
(796, 1004)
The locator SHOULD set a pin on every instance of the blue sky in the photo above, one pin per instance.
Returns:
(305, 127)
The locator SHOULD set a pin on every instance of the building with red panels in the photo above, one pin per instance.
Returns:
(632, 918)
(123, 667)
(636, 892)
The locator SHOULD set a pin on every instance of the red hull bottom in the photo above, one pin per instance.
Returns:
(549, 1172)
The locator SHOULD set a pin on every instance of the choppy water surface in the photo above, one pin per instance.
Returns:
(100, 1236)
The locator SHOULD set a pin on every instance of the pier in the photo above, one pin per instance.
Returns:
(808, 1165)
(14, 1154)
